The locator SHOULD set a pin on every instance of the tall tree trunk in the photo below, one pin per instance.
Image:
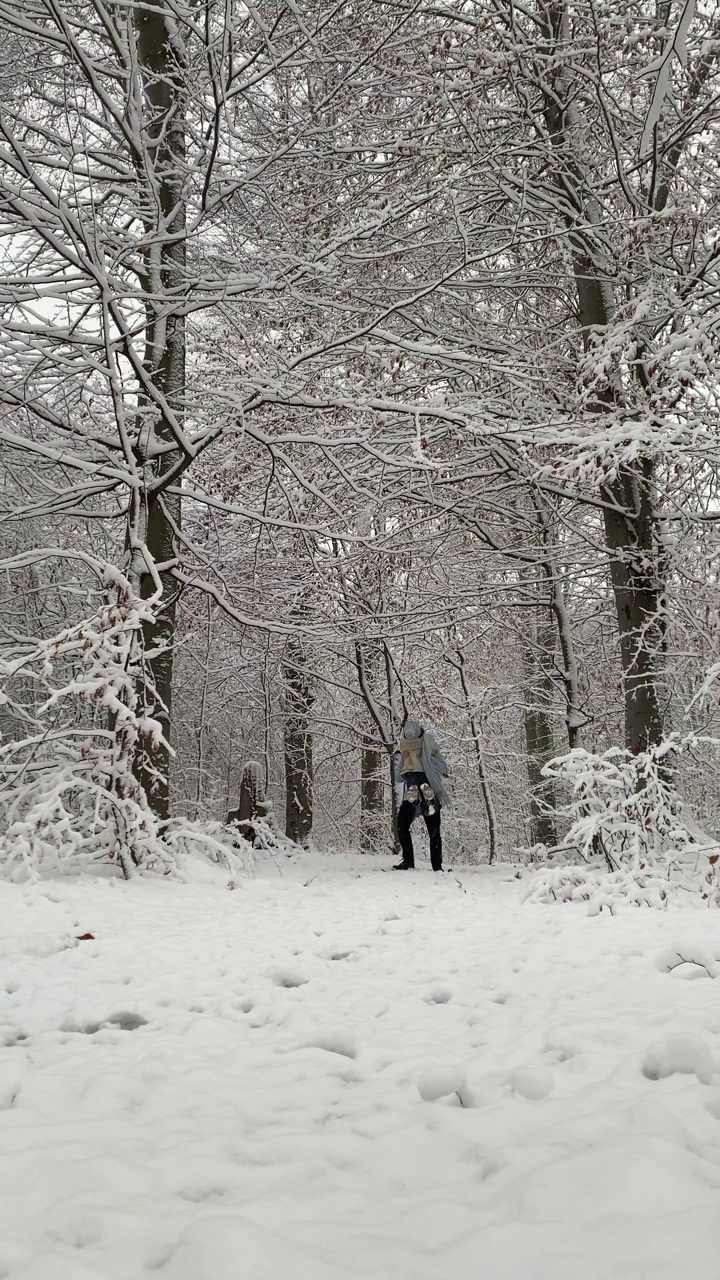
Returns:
(629, 515)
(267, 718)
(394, 686)
(485, 790)
(538, 662)
(372, 815)
(574, 716)
(372, 800)
(299, 699)
(202, 724)
(637, 573)
(384, 718)
(160, 400)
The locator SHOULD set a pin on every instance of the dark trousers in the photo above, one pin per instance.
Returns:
(406, 816)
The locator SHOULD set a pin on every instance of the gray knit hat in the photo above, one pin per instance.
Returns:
(412, 729)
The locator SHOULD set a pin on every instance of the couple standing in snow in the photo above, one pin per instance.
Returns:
(421, 769)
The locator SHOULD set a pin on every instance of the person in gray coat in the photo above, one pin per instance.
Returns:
(422, 771)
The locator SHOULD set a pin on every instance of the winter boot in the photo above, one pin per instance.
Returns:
(404, 866)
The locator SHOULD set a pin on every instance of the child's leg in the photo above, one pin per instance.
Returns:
(406, 816)
(432, 822)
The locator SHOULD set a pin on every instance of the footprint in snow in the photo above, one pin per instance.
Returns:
(288, 978)
(11, 1036)
(123, 1021)
(200, 1193)
(439, 995)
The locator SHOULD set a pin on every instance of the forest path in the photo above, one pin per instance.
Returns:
(224, 1085)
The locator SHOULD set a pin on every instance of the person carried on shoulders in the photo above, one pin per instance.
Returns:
(422, 771)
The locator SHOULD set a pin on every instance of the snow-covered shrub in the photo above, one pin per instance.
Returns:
(67, 788)
(224, 844)
(630, 838)
(213, 842)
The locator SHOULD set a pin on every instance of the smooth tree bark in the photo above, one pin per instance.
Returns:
(369, 660)
(372, 807)
(155, 513)
(538, 664)
(575, 718)
(458, 661)
(202, 722)
(298, 751)
(631, 530)
(397, 716)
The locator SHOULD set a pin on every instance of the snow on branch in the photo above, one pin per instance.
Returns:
(676, 48)
(67, 788)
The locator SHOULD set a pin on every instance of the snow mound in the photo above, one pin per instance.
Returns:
(687, 953)
(535, 1083)
(335, 1040)
(683, 1053)
(230, 1248)
(440, 1082)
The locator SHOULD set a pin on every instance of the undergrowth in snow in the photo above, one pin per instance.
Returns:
(630, 840)
(68, 791)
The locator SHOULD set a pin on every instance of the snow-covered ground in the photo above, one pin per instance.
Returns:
(227, 1085)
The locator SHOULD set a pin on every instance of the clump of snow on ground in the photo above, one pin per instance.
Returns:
(443, 1082)
(228, 1086)
(688, 954)
(532, 1082)
(679, 1054)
